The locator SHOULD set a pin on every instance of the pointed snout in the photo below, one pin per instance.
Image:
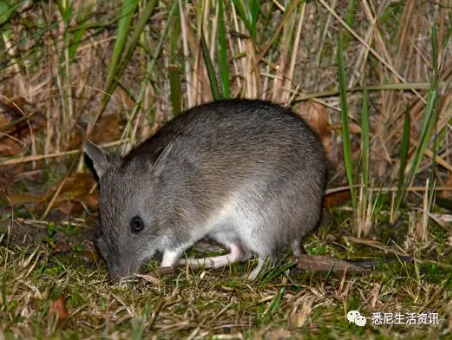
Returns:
(118, 272)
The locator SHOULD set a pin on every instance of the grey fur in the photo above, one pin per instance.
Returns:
(246, 173)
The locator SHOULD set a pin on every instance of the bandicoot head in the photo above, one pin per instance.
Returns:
(128, 233)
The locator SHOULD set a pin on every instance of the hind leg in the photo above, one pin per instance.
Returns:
(255, 272)
(298, 248)
(237, 254)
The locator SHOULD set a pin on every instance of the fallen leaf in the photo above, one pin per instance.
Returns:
(79, 181)
(13, 109)
(58, 307)
(317, 263)
(75, 188)
(447, 194)
(70, 207)
(443, 220)
(316, 116)
(91, 200)
(107, 129)
(335, 155)
(352, 128)
(10, 147)
(149, 278)
(23, 198)
(336, 198)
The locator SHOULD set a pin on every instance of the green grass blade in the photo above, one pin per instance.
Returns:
(349, 20)
(125, 19)
(6, 10)
(150, 68)
(173, 68)
(175, 37)
(344, 118)
(132, 42)
(122, 55)
(425, 132)
(65, 9)
(243, 15)
(403, 158)
(163, 35)
(266, 19)
(365, 127)
(253, 16)
(435, 115)
(210, 69)
(175, 89)
(274, 306)
(76, 39)
(82, 19)
(275, 303)
(223, 52)
(279, 270)
(428, 124)
(6, 127)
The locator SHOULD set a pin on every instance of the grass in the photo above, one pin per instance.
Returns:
(220, 303)
(373, 79)
(344, 119)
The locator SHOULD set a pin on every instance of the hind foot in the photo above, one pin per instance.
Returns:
(237, 254)
(298, 248)
(255, 272)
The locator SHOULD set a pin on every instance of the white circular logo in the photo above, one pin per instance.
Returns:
(360, 321)
(355, 317)
(351, 315)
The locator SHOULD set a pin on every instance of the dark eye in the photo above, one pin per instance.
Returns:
(136, 224)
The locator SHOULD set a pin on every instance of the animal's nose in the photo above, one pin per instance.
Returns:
(117, 273)
(114, 278)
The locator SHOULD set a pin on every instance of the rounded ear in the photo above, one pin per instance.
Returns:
(97, 156)
(160, 163)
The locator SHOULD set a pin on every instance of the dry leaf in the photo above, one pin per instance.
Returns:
(336, 198)
(9, 147)
(107, 129)
(58, 307)
(91, 201)
(316, 116)
(75, 188)
(447, 194)
(443, 220)
(23, 198)
(70, 207)
(318, 263)
(81, 180)
(11, 110)
(353, 128)
(149, 278)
